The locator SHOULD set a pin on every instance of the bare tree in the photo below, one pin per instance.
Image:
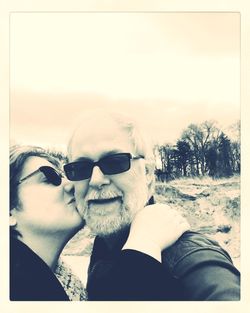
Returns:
(203, 149)
(199, 137)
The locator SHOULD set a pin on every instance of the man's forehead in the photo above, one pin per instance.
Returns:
(95, 142)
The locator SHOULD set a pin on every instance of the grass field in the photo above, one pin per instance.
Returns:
(211, 206)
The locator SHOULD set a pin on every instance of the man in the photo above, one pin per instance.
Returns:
(113, 169)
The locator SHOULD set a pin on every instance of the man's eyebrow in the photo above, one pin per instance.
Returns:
(81, 159)
(107, 153)
(111, 152)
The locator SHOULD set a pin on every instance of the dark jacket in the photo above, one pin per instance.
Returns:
(194, 268)
(128, 275)
(30, 277)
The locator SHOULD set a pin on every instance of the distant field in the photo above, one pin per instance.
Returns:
(211, 207)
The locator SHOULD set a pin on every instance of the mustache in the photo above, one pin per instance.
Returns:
(103, 194)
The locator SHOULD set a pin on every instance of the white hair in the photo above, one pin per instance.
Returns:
(141, 144)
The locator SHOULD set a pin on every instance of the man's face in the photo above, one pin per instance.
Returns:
(108, 202)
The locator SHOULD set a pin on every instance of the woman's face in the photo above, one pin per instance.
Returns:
(43, 207)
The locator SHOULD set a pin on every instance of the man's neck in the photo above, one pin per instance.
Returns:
(117, 239)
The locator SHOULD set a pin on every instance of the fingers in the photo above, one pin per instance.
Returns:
(184, 226)
(181, 223)
(160, 224)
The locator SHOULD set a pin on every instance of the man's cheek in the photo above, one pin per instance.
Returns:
(81, 207)
(80, 190)
(79, 197)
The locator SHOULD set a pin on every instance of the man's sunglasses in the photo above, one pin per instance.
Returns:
(109, 165)
(52, 176)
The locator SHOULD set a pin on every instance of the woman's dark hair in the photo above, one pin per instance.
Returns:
(18, 157)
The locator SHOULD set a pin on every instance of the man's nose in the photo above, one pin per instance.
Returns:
(97, 178)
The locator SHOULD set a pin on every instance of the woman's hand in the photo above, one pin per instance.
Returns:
(155, 228)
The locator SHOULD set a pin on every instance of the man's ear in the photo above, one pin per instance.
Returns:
(12, 218)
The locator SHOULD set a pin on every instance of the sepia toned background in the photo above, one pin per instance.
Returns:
(167, 69)
(188, 86)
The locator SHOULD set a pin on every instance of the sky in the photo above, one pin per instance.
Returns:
(166, 69)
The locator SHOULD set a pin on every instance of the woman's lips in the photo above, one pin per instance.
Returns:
(71, 201)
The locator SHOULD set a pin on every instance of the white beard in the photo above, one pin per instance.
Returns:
(104, 225)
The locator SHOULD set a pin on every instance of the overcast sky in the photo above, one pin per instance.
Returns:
(167, 69)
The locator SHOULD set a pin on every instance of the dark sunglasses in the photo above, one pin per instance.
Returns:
(109, 165)
(53, 177)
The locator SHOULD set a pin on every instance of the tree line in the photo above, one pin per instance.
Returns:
(202, 149)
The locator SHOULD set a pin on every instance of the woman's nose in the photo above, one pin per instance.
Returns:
(68, 185)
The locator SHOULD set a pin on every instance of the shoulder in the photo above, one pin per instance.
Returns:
(23, 259)
(30, 277)
(193, 249)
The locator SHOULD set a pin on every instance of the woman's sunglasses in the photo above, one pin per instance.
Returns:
(53, 177)
(109, 165)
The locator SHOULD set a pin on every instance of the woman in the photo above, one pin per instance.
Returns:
(43, 217)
